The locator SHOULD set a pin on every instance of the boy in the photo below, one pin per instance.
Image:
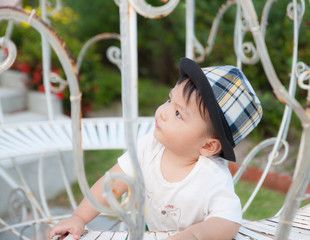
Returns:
(189, 188)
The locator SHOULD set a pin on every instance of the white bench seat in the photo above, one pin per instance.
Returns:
(262, 229)
(50, 136)
(107, 235)
(266, 229)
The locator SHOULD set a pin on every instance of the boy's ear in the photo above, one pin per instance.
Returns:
(211, 147)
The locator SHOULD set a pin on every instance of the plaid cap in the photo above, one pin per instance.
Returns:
(230, 99)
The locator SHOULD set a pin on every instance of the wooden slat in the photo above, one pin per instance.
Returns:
(120, 236)
(121, 135)
(62, 134)
(270, 229)
(42, 135)
(68, 130)
(253, 235)
(105, 236)
(300, 226)
(149, 236)
(91, 235)
(32, 136)
(161, 235)
(298, 223)
(9, 146)
(85, 138)
(57, 142)
(112, 133)
(144, 127)
(88, 235)
(92, 132)
(102, 133)
(108, 235)
(18, 138)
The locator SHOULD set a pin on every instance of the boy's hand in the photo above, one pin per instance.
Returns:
(74, 225)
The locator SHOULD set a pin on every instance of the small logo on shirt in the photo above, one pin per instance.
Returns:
(170, 211)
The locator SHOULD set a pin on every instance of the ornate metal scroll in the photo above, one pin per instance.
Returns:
(280, 141)
(149, 11)
(113, 52)
(301, 174)
(68, 66)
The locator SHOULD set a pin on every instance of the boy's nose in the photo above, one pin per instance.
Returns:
(163, 112)
(163, 115)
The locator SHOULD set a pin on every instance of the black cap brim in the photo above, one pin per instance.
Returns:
(190, 69)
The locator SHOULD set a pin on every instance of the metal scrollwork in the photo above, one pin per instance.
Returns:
(127, 205)
(114, 56)
(245, 51)
(11, 53)
(300, 10)
(19, 205)
(149, 11)
(59, 84)
(303, 75)
(271, 158)
(56, 9)
(213, 32)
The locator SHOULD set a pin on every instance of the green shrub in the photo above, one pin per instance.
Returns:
(150, 96)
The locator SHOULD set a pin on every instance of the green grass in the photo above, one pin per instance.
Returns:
(96, 162)
(266, 203)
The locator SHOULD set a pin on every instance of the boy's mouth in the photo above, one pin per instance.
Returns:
(156, 124)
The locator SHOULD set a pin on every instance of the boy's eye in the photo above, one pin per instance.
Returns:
(168, 99)
(178, 114)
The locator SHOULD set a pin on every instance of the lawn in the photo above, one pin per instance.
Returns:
(266, 203)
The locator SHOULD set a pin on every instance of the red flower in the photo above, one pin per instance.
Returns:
(55, 71)
(41, 88)
(24, 67)
(37, 76)
(38, 68)
(86, 108)
(59, 95)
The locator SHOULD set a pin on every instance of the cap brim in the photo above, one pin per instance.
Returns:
(190, 69)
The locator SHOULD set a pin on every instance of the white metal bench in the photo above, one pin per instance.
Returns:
(266, 228)
(53, 136)
(107, 235)
(262, 229)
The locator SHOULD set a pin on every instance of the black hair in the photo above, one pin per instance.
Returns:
(188, 90)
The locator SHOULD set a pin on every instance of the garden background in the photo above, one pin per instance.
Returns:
(161, 43)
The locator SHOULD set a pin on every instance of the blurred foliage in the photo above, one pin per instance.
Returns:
(161, 42)
(159, 93)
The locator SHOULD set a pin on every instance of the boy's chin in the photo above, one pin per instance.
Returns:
(155, 134)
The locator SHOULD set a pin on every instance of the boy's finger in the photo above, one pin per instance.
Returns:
(59, 236)
(55, 237)
(52, 234)
(76, 232)
(59, 230)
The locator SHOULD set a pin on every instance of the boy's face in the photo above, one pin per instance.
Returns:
(179, 125)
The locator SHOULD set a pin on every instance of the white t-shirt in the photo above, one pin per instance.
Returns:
(207, 191)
